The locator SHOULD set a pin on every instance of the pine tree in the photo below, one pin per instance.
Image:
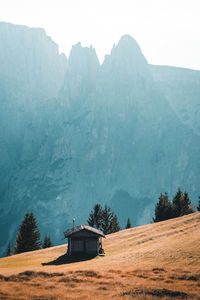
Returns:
(176, 204)
(103, 219)
(9, 253)
(28, 237)
(47, 242)
(198, 207)
(110, 222)
(186, 207)
(106, 219)
(114, 224)
(163, 209)
(128, 225)
(95, 217)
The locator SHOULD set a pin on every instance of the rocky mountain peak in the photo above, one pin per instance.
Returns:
(27, 53)
(82, 71)
(82, 58)
(126, 60)
(127, 41)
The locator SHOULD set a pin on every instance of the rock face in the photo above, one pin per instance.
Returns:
(31, 75)
(181, 88)
(76, 133)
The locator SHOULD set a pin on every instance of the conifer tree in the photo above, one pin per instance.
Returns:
(114, 224)
(107, 216)
(28, 237)
(198, 207)
(176, 204)
(110, 222)
(186, 207)
(128, 225)
(103, 219)
(47, 242)
(9, 253)
(163, 209)
(95, 217)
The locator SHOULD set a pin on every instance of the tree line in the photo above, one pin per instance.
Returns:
(180, 206)
(28, 237)
(102, 218)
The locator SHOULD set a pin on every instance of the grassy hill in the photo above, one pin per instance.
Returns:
(160, 260)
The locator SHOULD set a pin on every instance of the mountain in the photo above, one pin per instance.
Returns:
(74, 133)
(181, 88)
(159, 260)
(31, 75)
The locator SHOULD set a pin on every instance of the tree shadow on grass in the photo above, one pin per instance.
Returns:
(68, 259)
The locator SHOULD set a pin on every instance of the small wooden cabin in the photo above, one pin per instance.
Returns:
(84, 240)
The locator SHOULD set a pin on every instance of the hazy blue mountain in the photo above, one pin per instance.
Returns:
(74, 133)
(181, 88)
(31, 73)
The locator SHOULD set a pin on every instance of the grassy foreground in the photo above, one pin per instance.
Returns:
(154, 261)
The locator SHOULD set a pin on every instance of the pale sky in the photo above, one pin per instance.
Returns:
(168, 31)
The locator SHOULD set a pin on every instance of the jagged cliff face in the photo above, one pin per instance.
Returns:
(130, 142)
(99, 134)
(31, 75)
(181, 88)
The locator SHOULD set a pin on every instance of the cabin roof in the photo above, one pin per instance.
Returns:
(82, 227)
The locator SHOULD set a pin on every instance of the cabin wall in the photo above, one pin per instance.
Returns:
(83, 245)
(83, 242)
(91, 246)
(77, 245)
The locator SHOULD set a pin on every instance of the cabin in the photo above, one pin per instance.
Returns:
(84, 240)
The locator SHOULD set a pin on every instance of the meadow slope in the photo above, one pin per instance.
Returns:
(160, 260)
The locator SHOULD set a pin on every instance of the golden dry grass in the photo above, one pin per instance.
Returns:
(155, 261)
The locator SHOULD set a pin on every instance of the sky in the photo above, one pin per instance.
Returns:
(168, 31)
